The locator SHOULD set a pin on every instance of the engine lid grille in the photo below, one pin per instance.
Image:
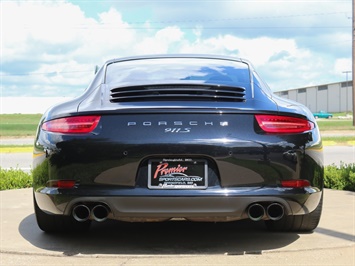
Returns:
(179, 92)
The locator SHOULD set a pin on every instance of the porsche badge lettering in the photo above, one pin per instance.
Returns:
(177, 126)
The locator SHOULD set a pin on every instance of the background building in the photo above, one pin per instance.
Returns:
(333, 97)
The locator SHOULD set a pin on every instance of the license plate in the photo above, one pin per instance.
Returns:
(177, 174)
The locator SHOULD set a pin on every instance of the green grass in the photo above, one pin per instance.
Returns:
(14, 179)
(339, 139)
(18, 125)
(335, 124)
(342, 178)
(342, 114)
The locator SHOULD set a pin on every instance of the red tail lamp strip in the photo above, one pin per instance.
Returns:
(72, 125)
(62, 183)
(300, 183)
(283, 124)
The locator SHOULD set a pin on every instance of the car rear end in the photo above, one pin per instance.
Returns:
(209, 149)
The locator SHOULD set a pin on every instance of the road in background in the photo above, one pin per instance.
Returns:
(339, 154)
(18, 160)
(332, 155)
(17, 141)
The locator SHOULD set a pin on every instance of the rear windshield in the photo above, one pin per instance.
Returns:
(178, 70)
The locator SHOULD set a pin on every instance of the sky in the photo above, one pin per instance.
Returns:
(51, 48)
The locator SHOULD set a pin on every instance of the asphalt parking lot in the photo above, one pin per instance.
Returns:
(177, 243)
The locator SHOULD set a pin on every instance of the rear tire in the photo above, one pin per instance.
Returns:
(58, 223)
(297, 223)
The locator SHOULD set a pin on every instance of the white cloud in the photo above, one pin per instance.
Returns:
(160, 42)
(26, 22)
(28, 105)
(58, 38)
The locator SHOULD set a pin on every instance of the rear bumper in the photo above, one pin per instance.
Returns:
(205, 205)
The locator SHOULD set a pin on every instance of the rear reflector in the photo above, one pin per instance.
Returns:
(61, 183)
(295, 183)
(72, 125)
(283, 124)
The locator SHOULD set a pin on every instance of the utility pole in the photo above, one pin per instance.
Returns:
(353, 60)
(346, 94)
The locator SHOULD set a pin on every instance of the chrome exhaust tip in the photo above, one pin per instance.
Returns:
(81, 213)
(256, 212)
(100, 213)
(275, 211)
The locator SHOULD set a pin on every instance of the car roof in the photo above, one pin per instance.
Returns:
(155, 56)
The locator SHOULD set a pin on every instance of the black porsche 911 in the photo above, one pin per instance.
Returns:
(193, 137)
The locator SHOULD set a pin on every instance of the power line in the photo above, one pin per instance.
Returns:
(43, 73)
(212, 20)
(233, 27)
(345, 13)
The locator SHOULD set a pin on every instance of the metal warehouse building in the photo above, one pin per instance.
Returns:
(334, 97)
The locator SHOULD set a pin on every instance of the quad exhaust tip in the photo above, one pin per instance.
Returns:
(256, 212)
(82, 213)
(100, 213)
(273, 211)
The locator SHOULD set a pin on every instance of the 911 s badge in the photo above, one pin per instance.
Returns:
(177, 130)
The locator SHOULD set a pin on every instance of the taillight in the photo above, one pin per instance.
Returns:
(283, 124)
(61, 183)
(72, 125)
(299, 183)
